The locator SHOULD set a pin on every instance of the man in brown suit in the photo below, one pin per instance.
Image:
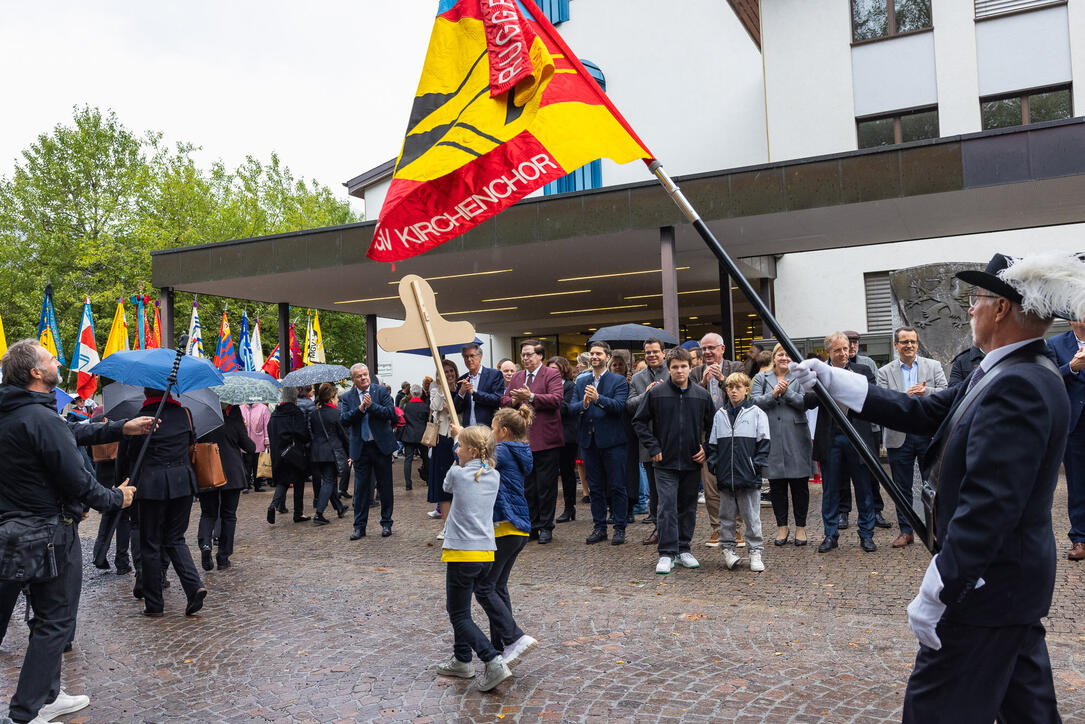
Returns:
(541, 387)
(711, 375)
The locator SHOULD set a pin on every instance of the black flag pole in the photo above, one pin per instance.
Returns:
(827, 405)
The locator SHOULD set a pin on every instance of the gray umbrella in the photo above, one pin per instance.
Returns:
(314, 375)
(244, 388)
(123, 401)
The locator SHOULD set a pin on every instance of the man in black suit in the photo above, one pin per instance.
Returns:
(367, 413)
(994, 460)
(479, 390)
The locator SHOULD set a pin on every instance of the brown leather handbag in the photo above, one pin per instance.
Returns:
(208, 465)
(104, 452)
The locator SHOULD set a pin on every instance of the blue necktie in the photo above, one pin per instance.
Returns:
(366, 434)
(976, 377)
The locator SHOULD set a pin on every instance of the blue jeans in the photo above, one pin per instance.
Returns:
(605, 469)
(845, 463)
(902, 462)
(642, 498)
(1074, 460)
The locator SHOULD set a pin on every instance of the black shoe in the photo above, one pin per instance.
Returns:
(153, 614)
(780, 541)
(618, 538)
(245, 491)
(301, 518)
(222, 562)
(205, 558)
(68, 647)
(649, 519)
(137, 590)
(545, 537)
(258, 488)
(842, 523)
(345, 494)
(610, 520)
(283, 510)
(101, 564)
(386, 530)
(319, 519)
(585, 500)
(533, 535)
(358, 533)
(868, 545)
(568, 515)
(271, 514)
(597, 535)
(828, 544)
(123, 568)
(342, 511)
(196, 602)
(881, 522)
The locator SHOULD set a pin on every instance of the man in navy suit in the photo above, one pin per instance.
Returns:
(368, 413)
(479, 390)
(1069, 349)
(998, 439)
(599, 399)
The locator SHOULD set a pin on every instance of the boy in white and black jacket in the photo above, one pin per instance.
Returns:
(738, 453)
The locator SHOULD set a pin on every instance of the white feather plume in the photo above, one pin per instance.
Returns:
(1051, 284)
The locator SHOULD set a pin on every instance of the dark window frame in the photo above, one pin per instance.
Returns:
(1023, 96)
(898, 133)
(890, 24)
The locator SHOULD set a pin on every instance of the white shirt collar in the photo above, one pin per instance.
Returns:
(996, 355)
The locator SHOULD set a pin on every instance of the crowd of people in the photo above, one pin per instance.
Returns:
(656, 438)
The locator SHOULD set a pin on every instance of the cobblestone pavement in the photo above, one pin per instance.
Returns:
(310, 627)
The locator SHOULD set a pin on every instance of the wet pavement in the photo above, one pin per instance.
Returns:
(308, 626)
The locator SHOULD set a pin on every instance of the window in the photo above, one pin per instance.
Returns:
(990, 8)
(590, 175)
(872, 19)
(879, 302)
(897, 128)
(1036, 106)
(556, 11)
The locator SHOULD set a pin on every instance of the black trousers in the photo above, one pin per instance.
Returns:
(51, 628)
(279, 498)
(410, 449)
(632, 476)
(541, 488)
(218, 506)
(875, 490)
(567, 468)
(162, 526)
(329, 486)
(800, 496)
(677, 513)
(653, 491)
(981, 674)
(123, 534)
(372, 462)
(492, 592)
(460, 582)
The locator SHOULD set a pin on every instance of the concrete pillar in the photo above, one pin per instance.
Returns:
(284, 339)
(167, 311)
(727, 313)
(371, 344)
(765, 292)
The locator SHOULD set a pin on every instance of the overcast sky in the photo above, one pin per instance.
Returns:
(327, 85)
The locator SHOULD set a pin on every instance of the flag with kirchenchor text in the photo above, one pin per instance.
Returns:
(503, 107)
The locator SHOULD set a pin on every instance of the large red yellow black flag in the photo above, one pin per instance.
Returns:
(503, 107)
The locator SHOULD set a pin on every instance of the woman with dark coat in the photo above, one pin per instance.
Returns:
(570, 425)
(416, 413)
(165, 486)
(330, 445)
(215, 503)
(441, 457)
(288, 433)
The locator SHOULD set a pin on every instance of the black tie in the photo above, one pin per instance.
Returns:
(530, 377)
(976, 376)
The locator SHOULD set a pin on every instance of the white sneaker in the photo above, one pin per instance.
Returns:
(441, 535)
(434, 514)
(686, 560)
(756, 564)
(700, 499)
(455, 667)
(518, 649)
(63, 704)
(730, 558)
(665, 565)
(496, 671)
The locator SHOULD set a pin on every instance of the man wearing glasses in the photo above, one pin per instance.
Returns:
(916, 376)
(479, 390)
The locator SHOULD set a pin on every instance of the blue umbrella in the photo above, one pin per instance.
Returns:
(690, 344)
(151, 368)
(631, 335)
(443, 350)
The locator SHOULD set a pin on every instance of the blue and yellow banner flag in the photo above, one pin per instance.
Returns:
(48, 334)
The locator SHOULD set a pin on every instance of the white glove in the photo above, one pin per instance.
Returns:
(846, 387)
(926, 608)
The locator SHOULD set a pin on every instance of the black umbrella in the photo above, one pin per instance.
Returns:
(631, 335)
(314, 375)
(123, 401)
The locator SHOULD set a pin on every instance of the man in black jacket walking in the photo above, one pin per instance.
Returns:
(44, 477)
(671, 423)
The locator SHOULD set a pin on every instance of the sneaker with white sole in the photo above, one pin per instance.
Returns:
(441, 535)
(455, 667)
(700, 499)
(686, 560)
(515, 652)
(756, 564)
(730, 558)
(63, 704)
(434, 514)
(665, 565)
(496, 671)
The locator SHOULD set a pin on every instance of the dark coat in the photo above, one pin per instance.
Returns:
(381, 415)
(603, 421)
(638, 385)
(232, 439)
(43, 468)
(167, 471)
(570, 423)
(491, 386)
(674, 422)
(288, 424)
(514, 462)
(1064, 347)
(416, 414)
(996, 479)
(826, 429)
(328, 435)
(963, 364)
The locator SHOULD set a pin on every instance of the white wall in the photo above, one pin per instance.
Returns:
(807, 49)
(955, 54)
(1076, 23)
(819, 291)
(395, 367)
(1023, 51)
(374, 198)
(894, 74)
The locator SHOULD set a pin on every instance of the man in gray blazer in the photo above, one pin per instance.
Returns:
(643, 381)
(919, 377)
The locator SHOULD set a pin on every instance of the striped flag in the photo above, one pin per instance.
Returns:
(225, 356)
(85, 355)
(244, 350)
(195, 334)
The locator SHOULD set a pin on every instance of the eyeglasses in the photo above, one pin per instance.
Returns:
(907, 341)
(972, 297)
